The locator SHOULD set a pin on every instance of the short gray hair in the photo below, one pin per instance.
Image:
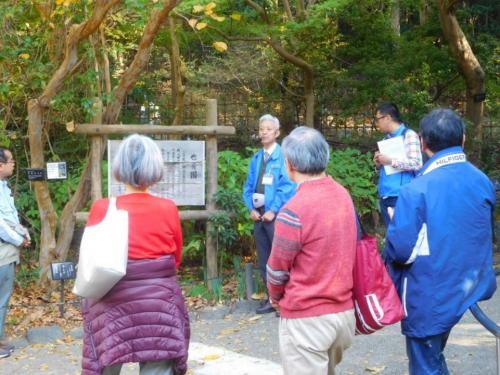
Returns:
(270, 118)
(306, 150)
(138, 162)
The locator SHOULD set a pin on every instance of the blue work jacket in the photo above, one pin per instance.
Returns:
(281, 189)
(439, 243)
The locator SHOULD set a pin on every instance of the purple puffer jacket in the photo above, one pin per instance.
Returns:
(143, 318)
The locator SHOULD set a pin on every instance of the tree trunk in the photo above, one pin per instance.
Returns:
(469, 68)
(105, 62)
(178, 89)
(423, 11)
(309, 96)
(81, 196)
(45, 207)
(396, 16)
(36, 109)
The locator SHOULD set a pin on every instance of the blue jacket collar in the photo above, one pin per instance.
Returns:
(276, 153)
(439, 154)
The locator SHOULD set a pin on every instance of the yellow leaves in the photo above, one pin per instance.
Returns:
(208, 11)
(236, 16)
(210, 7)
(217, 18)
(66, 3)
(220, 46)
(192, 22)
(198, 8)
(201, 25)
(25, 56)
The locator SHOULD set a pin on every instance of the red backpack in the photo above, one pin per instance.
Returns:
(376, 301)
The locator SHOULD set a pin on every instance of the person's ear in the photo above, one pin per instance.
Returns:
(277, 132)
(425, 148)
(290, 170)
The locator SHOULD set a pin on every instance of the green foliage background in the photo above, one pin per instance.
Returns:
(358, 61)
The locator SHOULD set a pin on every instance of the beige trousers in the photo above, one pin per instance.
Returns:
(314, 346)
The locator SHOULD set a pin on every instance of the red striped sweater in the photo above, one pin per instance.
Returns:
(310, 268)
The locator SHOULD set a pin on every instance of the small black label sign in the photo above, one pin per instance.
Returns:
(35, 174)
(63, 271)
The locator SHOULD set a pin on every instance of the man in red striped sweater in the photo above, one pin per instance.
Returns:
(309, 271)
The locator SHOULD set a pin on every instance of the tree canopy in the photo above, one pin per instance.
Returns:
(316, 62)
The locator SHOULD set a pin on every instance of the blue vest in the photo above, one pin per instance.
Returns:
(389, 185)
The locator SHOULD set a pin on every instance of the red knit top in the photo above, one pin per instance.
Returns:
(310, 267)
(154, 225)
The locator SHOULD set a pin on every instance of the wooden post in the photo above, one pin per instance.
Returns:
(95, 156)
(211, 241)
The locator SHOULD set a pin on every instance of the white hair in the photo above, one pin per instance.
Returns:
(270, 118)
(307, 150)
(138, 162)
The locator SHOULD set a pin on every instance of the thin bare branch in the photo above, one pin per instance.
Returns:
(260, 10)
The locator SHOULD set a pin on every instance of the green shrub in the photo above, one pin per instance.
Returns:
(356, 172)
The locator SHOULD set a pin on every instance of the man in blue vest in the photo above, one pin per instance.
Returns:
(388, 120)
(266, 190)
(440, 239)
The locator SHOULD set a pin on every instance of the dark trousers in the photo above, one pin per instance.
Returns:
(385, 203)
(425, 355)
(263, 233)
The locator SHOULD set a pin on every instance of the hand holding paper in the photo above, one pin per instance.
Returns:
(393, 148)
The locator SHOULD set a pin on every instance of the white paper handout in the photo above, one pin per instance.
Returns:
(393, 148)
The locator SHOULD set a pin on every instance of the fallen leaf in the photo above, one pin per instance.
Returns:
(211, 357)
(258, 296)
(375, 370)
(254, 318)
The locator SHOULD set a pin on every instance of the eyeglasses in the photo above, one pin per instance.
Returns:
(12, 161)
(375, 118)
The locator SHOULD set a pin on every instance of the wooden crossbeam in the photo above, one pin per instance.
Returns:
(81, 217)
(100, 129)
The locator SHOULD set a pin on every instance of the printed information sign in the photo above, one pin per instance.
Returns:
(183, 172)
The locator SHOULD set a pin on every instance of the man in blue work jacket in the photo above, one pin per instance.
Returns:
(266, 190)
(439, 242)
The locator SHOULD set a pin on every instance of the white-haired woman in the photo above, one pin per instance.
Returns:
(143, 318)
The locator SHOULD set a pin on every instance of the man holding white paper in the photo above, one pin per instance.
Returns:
(399, 154)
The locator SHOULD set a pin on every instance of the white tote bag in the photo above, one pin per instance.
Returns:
(103, 254)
